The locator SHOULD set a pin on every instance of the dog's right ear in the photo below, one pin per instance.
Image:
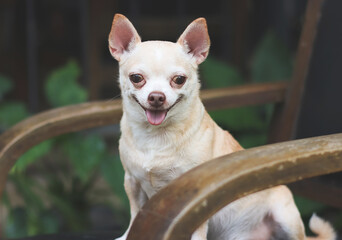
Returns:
(123, 37)
(195, 40)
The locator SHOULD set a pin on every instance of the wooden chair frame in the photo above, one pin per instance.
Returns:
(180, 208)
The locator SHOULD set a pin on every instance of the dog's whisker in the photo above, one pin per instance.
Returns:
(114, 98)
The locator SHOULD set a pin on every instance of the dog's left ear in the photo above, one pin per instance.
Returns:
(195, 40)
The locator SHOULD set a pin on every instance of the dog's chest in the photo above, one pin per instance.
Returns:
(155, 168)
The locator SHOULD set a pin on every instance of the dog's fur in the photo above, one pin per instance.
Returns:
(166, 131)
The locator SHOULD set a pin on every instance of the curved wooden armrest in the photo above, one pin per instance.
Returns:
(181, 207)
(17, 140)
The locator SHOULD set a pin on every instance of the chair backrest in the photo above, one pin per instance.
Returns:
(286, 114)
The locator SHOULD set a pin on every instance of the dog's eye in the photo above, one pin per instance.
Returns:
(136, 78)
(178, 81)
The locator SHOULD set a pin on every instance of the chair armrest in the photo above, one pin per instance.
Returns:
(181, 207)
(18, 139)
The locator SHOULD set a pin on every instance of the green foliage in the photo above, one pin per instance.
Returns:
(85, 153)
(61, 87)
(11, 113)
(71, 204)
(36, 218)
(113, 172)
(238, 119)
(5, 86)
(248, 123)
(32, 155)
(218, 74)
(16, 225)
(308, 207)
(271, 61)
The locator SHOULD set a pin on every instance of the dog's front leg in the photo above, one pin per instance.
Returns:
(201, 232)
(137, 198)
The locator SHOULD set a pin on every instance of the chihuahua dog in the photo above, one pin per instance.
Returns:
(166, 131)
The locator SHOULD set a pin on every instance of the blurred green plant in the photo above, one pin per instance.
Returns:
(61, 87)
(5, 86)
(77, 161)
(11, 112)
(271, 61)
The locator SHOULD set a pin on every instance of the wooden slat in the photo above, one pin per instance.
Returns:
(285, 120)
(246, 95)
(182, 206)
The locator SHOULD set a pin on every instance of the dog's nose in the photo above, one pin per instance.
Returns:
(156, 99)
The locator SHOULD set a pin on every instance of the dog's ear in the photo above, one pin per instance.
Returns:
(195, 40)
(123, 37)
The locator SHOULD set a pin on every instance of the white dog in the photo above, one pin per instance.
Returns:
(166, 131)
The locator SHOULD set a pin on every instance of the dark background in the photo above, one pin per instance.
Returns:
(36, 36)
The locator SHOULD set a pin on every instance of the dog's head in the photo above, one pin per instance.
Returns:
(158, 79)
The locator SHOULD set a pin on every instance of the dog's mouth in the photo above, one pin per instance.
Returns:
(156, 116)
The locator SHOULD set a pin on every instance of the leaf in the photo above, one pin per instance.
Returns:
(238, 119)
(113, 172)
(85, 153)
(16, 224)
(32, 156)
(5, 86)
(306, 207)
(216, 74)
(48, 222)
(249, 140)
(338, 221)
(24, 186)
(11, 113)
(61, 87)
(66, 209)
(271, 61)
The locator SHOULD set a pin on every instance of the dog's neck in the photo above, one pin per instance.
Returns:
(171, 133)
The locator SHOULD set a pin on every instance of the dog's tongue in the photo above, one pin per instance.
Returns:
(155, 117)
